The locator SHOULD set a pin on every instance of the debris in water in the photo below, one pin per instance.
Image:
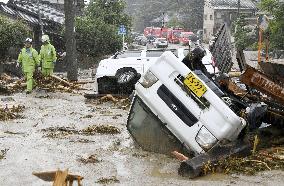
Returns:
(102, 129)
(268, 157)
(110, 180)
(109, 97)
(54, 83)
(8, 113)
(59, 132)
(3, 153)
(90, 159)
(87, 116)
(140, 155)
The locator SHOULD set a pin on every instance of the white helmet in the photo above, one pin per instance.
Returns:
(28, 40)
(45, 38)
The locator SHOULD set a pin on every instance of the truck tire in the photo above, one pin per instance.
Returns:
(126, 76)
(105, 85)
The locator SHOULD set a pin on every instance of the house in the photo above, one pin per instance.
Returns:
(218, 12)
(52, 16)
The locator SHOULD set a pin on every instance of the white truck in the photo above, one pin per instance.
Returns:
(121, 71)
(173, 108)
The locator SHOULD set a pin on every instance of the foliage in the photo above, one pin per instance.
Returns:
(97, 29)
(12, 34)
(242, 35)
(174, 22)
(276, 26)
(188, 14)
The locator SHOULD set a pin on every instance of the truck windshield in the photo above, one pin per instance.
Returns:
(149, 131)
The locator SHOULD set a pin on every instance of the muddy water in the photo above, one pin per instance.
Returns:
(117, 156)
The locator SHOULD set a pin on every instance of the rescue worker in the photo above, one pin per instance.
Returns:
(193, 60)
(47, 56)
(29, 60)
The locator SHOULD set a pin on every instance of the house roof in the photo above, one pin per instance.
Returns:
(231, 4)
(28, 11)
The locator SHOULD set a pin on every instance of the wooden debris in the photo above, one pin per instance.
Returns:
(59, 178)
(12, 112)
(91, 159)
(54, 83)
(102, 129)
(61, 132)
(109, 97)
(61, 81)
(179, 156)
(263, 160)
(84, 82)
(110, 180)
(3, 153)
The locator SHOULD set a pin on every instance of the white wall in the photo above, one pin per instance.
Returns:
(56, 1)
(208, 23)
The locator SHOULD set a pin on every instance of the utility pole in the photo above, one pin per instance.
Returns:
(71, 54)
(239, 4)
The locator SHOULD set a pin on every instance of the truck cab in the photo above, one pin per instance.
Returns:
(173, 108)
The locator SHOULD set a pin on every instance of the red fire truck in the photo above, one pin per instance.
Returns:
(184, 37)
(153, 31)
(174, 35)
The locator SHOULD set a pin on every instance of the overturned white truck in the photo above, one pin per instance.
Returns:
(175, 108)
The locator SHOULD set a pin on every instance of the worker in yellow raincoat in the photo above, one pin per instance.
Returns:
(29, 60)
(47, 56)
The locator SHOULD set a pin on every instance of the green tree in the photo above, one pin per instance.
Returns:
(276, 25)
(97, 29)
(174, 22)
(12, 34)
(242, 37)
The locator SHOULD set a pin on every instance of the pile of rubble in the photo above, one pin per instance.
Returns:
(53, 83)
(263, 160)
(61, 132)
(11, 112)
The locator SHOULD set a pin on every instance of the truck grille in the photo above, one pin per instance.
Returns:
(176, 106)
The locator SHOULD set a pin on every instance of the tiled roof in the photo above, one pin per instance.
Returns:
(28, 10)
(231, 4)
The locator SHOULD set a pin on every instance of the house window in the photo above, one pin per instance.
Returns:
(205, 17)
(211, 17)
(204, 31)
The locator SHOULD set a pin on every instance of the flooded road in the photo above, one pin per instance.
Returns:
(33, 147)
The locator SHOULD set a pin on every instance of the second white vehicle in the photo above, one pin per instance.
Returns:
(120, 72)
(160, 43)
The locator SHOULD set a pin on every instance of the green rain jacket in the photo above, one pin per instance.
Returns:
(47, 55)
(29, 59)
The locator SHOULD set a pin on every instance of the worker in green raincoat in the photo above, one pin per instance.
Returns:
(29, 60)
(47, 56)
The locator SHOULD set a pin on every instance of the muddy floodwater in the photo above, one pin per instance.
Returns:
(53, 133)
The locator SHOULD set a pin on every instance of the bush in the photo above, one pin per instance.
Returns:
(12, 34)
(96, 31)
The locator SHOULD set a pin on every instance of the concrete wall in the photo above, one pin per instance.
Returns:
(208, 22)
(215, 18)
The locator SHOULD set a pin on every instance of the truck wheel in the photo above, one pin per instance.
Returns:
(104, 85)
(125, 76)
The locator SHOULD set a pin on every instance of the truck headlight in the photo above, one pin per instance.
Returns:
(205, 139)
(148, 79)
